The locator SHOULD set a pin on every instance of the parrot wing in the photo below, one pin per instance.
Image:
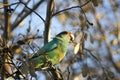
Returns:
(46, 48)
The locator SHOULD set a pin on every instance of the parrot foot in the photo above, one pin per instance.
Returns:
(55, 73)
(49, 63)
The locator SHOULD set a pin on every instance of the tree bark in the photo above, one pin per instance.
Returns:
(6, 36)
(48, 21)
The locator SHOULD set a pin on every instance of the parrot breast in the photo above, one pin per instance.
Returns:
(61, 53)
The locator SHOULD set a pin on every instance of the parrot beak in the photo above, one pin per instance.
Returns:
(71, 36)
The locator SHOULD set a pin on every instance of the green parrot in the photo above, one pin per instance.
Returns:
(52, 52)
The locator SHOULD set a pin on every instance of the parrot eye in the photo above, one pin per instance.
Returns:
(71, 37)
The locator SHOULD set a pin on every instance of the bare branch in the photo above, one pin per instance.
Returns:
(33, 11)
(111, 58)
(21, 14)
(7, 22)
(86, 17)
(7, 5)
(71, 8)
(26, 14)
(55, 73)
(108, 48)
(48, 21)
(6, 38)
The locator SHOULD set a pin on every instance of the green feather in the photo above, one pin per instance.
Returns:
(53, 52)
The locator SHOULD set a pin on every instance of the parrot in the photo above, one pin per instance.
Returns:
(52, 52)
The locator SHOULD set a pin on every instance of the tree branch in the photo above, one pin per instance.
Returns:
(26, 14)
(34, 12)
(6, 66)
(111, 58)
(48, 21)
(7, 5)
(108, 48)
(7, 22)
(70, 8)
(21, 14)
(55, 73)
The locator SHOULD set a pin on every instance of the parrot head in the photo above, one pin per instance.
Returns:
(67, 35)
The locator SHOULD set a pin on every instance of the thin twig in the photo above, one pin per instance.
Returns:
(98, 60)
(91, 54)
(15, 8)
(31, 48)
(55, 73)
(22, 13)
(33, 11)
(71, 8)
(25, 15)
(68, 73)
(2, 4)
(86, 17)
(18, 69)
